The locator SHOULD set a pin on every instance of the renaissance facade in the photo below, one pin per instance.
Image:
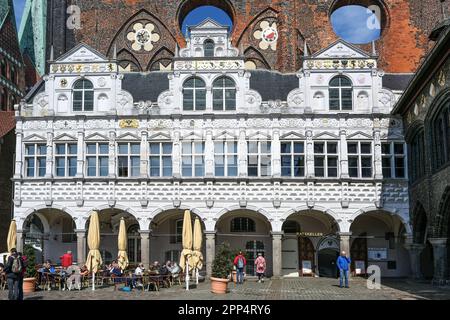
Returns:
(296, 166)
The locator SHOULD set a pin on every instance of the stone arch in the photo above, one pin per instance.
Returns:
(370, 209)
(162, 55)
(255, 209)
(162, 209)
(254, 55)
(419, 224)
(20, 219)
(104, 207)
(326, 211)
(442, 219)
(413, 129)
(127, 60)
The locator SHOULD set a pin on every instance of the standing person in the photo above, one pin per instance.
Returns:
(13, 270)
(343, 264)
(22, 274)
(260, 264)
(240, 264)
(66, 259)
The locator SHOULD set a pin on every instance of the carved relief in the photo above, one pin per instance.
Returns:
(295, 98)
(252, 99)
(142, 37)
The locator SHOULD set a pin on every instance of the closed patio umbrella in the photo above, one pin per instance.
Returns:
(94, 259)
(197, 256)
(186, 254)
(122, 257)
(12, 236)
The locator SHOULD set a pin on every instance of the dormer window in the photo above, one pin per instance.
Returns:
(341, 94)
(83, 96)
(208, 48)
(194, 94)
(224, 94)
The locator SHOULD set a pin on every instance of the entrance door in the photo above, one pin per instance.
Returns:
(289, 256)
(327, 263)
(305, 252)
(252, 249)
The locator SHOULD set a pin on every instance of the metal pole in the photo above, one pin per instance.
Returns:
(187, 276)
(196, 274)
(93, 276)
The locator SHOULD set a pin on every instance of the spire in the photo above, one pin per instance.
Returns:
(305, 49)
(374, 50)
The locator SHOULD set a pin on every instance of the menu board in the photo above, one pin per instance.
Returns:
(306, 267)
(377, 254)
(360, 267)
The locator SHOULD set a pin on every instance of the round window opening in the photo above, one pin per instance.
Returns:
(202, 13)
(357, 24)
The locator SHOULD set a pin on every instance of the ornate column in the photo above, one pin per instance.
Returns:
(415, 250)
(209, 151)
(19, 246)
(145, 247)
(210, 251)
(112, 155)
(81, 246)
(19, 155)
(440, 258)
(343, 154)
(309, 153)
(80, 154)
(276, 150)
(344, 241)
(49, 158)
(378, 168)
(144, 154)
(242, 149)
(176, 150)
(277, 253)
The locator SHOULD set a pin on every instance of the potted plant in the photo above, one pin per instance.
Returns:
(29, 282)
(221, 268)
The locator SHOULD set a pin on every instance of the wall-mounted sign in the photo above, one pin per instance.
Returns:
(377, 254)
(310, 234)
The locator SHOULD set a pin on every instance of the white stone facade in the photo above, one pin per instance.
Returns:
(303, 116)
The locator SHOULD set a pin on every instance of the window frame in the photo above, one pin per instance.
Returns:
(66, 157)
(326, 158)
(251, 227)
(195, 91)
(359, 157)
(392, 156)
(259, 156)
(207, 50)
(83, 95)
(129, 157)
(225, 155)
(160, 156)
(37, 155)
(224, 89)
(340, 89)
(193, 156)
(292, 156)
(97, 156)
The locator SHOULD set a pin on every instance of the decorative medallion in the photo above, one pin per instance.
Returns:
(143, 37)
(268, 34)
(101, 82)
(63, 83)
(129, 123)
(441, 78)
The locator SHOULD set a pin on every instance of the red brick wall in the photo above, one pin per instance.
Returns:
(7, 149)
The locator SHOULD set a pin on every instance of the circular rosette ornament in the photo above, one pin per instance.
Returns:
(143, 37)
(268, 34)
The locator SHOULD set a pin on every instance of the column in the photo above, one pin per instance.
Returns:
(344, 241)
(49, 158)
(145, 247)
(209, 153)
(343, 154)
(440, 258)
(209, 99)
(309, 153)
(210, 251)
(80, 154)
(144, 155)
(378, 167)
(277, 253)
(276, 151)
(415, 250)
(19, 156)
(176, 150)
(112, 155)
(242, 149)
(19, 246)
(81, 246)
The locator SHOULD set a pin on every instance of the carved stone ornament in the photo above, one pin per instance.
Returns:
(295, 98)
(129, 123)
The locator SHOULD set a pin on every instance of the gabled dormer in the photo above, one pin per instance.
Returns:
(208, 39)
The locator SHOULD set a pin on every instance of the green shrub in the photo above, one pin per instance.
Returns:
(29, 252)
(223, 262)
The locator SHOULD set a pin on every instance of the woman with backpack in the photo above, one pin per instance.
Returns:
(13, 269)
(260, 264)
(240, 264)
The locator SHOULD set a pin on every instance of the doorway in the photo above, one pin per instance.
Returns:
(327, 263)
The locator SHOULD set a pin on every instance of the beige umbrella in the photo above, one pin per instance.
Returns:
(12, 236)
(186, 254)
(94, 259)
(122, 257)
(197, 256)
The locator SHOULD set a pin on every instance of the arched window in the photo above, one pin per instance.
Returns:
(242, 225)
(3, 102)
(83, 95)
(134, 244)
(208, 48)
(417, 156)
(194, 94)
(224, 94)
(341, 93)
(441, 137)
(291, 226)
(3, 68)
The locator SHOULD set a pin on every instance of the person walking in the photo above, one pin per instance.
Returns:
(13, 270)
(260, 264)
(240, 262)
(343, 264)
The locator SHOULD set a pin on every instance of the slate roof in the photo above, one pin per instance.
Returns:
(272, 85)
(145, 86)
(7, 122)
(397, 81)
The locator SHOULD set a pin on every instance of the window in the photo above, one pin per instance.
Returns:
(326, 159)
(226, 158)
(193, 159)
(179, 231)
(291, 226)
(3, 68)
(134, 244)
(35, 160)
(129, 158)
(97, 159)
(68, 227)
(259, 158)
(417, 156)
(66, 159)
(360, 159)
(160, 159)
(194, 95)
(394, 160)
(252, 249)
(242, 225)
(292, 159)
(208, 48)
(12, 73)
(224, 94)
(441, 138)
(83, 96)
(341, 93)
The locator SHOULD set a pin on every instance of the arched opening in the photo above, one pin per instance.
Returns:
(378, 239)
(224, 94)
(52, 233)
(83, 96)
(247, 231)
(193, 12)
(444, 225)
(194, 94)
(109, 230)
(167, 234)
(359, 21)
(309, 245)
(341, 93)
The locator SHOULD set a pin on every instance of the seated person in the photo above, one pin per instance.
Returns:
(169, 265)
(74, 272)
(163, 270)
(84, 271)
(155, 267)
(2, 267)
(176, 269)
(139, 270)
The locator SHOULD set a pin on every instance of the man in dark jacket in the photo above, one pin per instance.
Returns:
(343, 264)
(13, 270)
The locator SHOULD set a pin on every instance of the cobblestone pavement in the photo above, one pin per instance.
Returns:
(284, 289)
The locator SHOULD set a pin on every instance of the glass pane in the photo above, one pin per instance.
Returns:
(219, 160)
(232, 147)
(285, 147)
(353, 162)
(30, 167)
(154, 171)
(319, 161)
(91, 148)
(319, 172)
(366, 162)
(332, 147)
(187, 148)
(232, 171)
(41, 166)
(352, 147)
(347, 94)
(104, 168)
(230, 99)
(299, 147)
(232, 160)
(266, 147)
(385, 148)
(154, 162)
(30, 149)
(200, 100)
(335, 82)
(319, 148)
(199, 147)
(123, 148)
(345, 82)
(332, 172)
(135, 148)
(103, 148)
(60, 149)
(386, 172)
(334, 104)
(399, 148)
(72, 149)
(189, 83)
(88, 100)
(332, 162)
(167, 148)
(154, 148)
(366, 148)
(286, 171)
(366, 172)
(72, 166)
(253, 147)
(286, 161)
(353, 172)
(219, 147)
(123, 166)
